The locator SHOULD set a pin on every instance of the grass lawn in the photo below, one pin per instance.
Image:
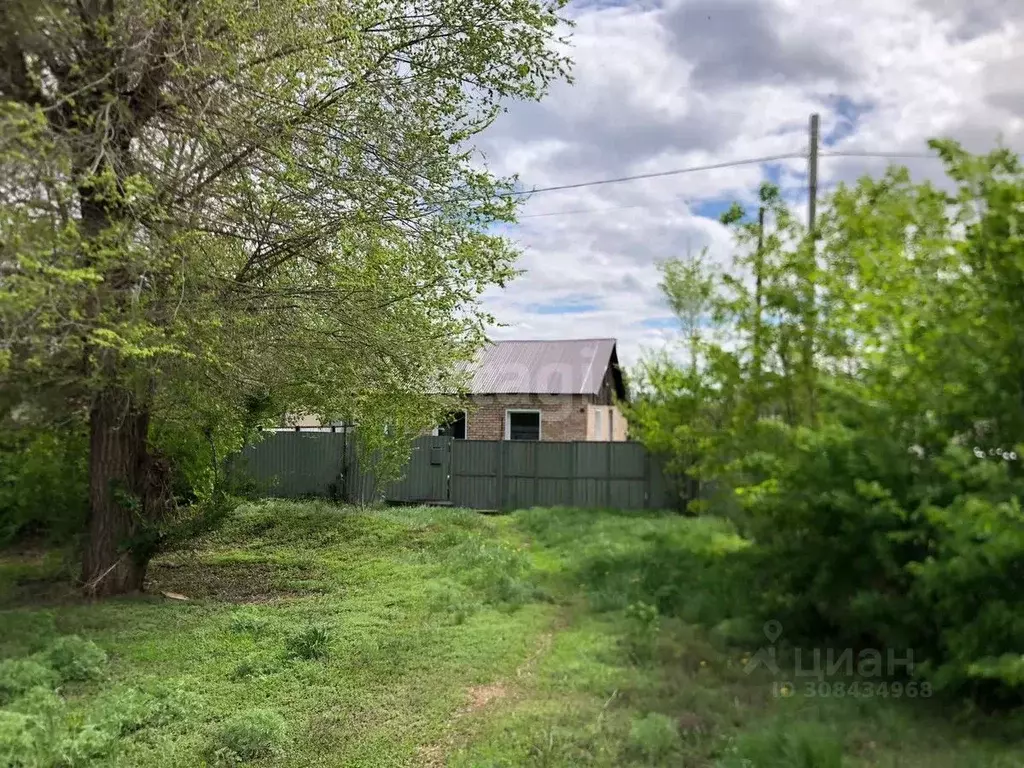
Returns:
(318, 635)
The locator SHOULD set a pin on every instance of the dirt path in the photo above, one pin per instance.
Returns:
(480, 697)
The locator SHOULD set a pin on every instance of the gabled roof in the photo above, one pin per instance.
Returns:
(561, 367)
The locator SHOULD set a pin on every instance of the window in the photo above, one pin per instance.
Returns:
(522, 425)
(598, 427)
(454, 426)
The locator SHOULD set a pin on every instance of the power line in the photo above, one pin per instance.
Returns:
(889, 155)
(660, 174)
(600, 210)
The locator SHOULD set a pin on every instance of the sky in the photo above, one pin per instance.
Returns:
(681, 83)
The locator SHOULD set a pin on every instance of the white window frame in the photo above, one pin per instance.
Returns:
(598, 423)
(508, 421)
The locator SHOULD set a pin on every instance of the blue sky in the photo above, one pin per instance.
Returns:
(678, 83)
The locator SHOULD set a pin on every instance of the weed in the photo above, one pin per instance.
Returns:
(310, 643)
(128, 710)
(250, 735)
(245, 623)
(249, 668)
(643, 627)
(19, 675)
(76, 659)
(788, 745)
(654, 737)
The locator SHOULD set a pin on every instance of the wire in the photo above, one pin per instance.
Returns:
(660, 174)
(599, 210)
(892, 155)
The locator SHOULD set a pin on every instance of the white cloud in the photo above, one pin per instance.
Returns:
(693, 82)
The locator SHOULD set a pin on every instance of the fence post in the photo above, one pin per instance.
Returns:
(500, 478)
(344, 464)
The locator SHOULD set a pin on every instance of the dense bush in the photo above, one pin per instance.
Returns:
(43, 483)
(858, 405)
(75, 658)
(869, 544)
(17, 676)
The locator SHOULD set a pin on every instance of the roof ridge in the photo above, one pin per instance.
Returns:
(552, 341)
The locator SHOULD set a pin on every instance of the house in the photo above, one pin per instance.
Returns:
(543, 390)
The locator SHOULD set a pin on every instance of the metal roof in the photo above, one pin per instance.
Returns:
(562, 367)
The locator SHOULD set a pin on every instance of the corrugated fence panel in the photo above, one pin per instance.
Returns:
(479, 474)
(426, 474)
(292, 464)
(474, 474)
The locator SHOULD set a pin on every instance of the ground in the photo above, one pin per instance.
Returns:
(320, 635)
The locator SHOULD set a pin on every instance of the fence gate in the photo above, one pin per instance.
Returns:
(427, 476)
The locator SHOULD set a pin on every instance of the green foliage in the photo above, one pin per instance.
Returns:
(271, 209)
(547, 684)
(654, 737)
(249, 623)
(859, 412)
(257, 733)
(788, 745)
(76, 659)
(18, 676)
(311, 643)
(40, 730)
(43, 482)
(644, 627)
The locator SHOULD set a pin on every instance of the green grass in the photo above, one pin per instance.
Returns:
(322, 635)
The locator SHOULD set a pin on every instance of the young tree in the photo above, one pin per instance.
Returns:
(212, 205)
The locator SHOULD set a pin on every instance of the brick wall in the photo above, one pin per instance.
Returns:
(563, 417)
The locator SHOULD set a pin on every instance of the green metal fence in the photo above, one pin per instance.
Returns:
(479, 474)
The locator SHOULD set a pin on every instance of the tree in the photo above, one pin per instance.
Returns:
(212, 209)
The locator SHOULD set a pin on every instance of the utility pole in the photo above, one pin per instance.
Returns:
(758, 309)
(811, 324)
(812, 177)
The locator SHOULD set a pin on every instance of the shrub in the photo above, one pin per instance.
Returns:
(788, 745)
(43, 482)
(19, 675)
(654, 737)
(37, 732)
(249, 736)
(75, 658)
(644, 625)
(127, 710)
(310, 643)
(866, 543)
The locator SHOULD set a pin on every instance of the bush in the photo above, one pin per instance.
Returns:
(128, 710)
(311, 643)
(863, 542)
(20, 675)
(249, 736)
(38, 732)
(75, 658)
(788, 745)
(43, 483)
(654, 737)
(644, 625)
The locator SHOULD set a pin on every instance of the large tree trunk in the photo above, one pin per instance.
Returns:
(119, 504)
